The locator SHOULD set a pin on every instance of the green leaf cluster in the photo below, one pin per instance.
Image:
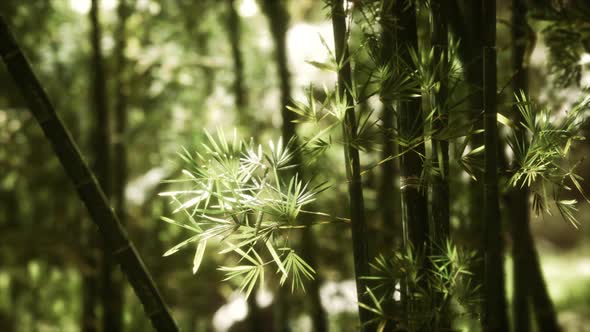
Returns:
(242, 195)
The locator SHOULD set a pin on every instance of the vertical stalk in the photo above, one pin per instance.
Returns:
(112, 281)
(474, 76)
(388, 195)
(278, 18)
(494, 313)
(414, 208)
(233, 26)
(240, 92)
(529, 284)
(519, 204)
(411, 127)
(440, 148)
(352, 159)
(102, 167)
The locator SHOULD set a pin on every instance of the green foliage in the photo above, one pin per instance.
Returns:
(242, 195)
(568, 37)
(543, 155)
(448, 274)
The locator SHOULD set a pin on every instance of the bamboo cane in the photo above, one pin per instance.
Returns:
(83, 179)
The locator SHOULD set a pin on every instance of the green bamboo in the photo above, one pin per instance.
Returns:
(494, 297)
(519, 205)
(411, 127)
(240, 91)
(360, 246)
(466, 25)
(440, 148)
(278, 19)
(112, 278)
(413, 197)
(529, 284)
(388, 195)
(85, 182)
(96, 279)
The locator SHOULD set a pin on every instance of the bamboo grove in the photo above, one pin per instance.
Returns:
(416, 169)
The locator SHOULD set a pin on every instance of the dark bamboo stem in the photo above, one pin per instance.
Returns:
(113, 302)
(529, 284)
(467, 26)
(233, 26)
(388, 195)
(440, 149)
(411, 126)
(85, 182)
(413, 198)
(519, 205)
(278, 19)
(355, 188)
(98, 278)
(494, 298)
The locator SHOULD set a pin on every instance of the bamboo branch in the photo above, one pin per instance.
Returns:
(83, 179)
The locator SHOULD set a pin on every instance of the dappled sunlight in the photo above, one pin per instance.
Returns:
(305, 165)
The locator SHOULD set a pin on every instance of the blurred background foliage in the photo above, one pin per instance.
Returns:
(179, 79)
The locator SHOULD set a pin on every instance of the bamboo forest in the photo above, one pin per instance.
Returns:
(294, 165)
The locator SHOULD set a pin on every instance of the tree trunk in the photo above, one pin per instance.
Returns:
(440, 150)
(317, 312)
(518, 197)
(466, 24)
(411, 128)
(360, 246)
(278, 18)
(112, 280)
(85, 182)
(545, 314)
(413, 198)
(494, 308)
(240, 92)
(529, 285)
(388, 195)
(101, 141)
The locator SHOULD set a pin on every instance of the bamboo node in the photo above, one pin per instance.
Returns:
(409, 182)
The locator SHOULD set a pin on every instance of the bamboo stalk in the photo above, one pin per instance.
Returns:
(360, 246)
(414, 208)
(85, 182)
(278, 19)
(112, 278)
(388, 195)
(98, 278)
(440, 149)
(494, 297)
(529, 284)
(234, 34)
(519, 211)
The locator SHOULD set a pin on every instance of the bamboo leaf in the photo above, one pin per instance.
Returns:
(199, 255)
(323, 65)
(179, 246)
(276, 257)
